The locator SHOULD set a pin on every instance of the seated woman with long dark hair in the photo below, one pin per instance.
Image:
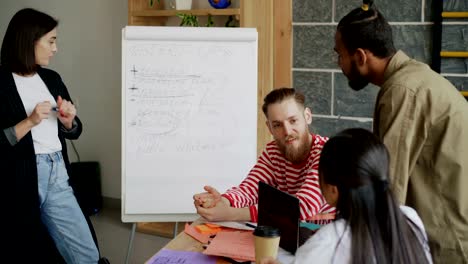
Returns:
(370, 227)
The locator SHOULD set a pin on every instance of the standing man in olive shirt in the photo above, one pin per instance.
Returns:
(422, 119)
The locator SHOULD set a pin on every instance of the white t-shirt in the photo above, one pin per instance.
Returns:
(331, 245)
(32, 91)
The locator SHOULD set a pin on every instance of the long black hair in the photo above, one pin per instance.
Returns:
(357, 163)
(365, 27)
(26, 27)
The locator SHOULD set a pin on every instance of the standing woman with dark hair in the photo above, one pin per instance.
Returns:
(371, 227)
(37, 115)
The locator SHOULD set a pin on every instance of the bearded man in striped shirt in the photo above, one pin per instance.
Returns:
(289, 163)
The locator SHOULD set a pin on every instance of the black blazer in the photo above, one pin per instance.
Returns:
(24, 234)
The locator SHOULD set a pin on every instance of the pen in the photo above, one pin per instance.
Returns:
(250, 225)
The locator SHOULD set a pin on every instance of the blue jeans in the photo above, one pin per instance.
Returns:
(61, 213)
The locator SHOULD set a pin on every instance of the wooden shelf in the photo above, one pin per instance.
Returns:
(454, 54)
(455, 14)
(197, 12)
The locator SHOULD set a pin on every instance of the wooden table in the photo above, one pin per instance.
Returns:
(184, 242)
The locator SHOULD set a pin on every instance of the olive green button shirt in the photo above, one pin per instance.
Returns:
(423, 120)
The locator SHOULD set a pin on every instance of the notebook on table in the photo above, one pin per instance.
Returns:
(281, 210)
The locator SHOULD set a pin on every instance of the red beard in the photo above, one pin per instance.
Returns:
(291, 152)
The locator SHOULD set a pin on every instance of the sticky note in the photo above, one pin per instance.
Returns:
(205, 229)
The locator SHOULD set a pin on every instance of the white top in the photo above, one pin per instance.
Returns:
(32, 91)
(331, 245)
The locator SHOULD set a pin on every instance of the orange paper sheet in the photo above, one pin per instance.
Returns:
(191, 231)
(212, 225)
(237, 245)
(205, 229)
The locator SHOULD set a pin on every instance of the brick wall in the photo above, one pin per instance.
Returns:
(315, 71)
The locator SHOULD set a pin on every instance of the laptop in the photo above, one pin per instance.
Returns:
(281, 210)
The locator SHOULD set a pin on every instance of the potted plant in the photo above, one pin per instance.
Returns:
(183, 4)
(188, 20)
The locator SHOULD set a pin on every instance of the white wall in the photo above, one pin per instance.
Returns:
(89, 61)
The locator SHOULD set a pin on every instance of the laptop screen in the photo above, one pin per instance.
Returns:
(281, 210)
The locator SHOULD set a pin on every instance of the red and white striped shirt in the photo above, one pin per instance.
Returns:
(300, 180)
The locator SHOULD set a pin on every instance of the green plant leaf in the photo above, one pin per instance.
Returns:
(210, 21)
(230, 22)
(188, 20)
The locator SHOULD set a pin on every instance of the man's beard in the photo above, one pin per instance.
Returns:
(356, 81)
(293, 154)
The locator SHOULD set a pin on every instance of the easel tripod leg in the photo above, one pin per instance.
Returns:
(130, 243)
(176, 225)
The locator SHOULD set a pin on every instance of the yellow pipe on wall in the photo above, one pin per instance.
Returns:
(464, 93)
(455, 14)
(454, 54)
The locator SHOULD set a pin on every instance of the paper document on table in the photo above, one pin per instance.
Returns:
(234, 225)
(191, 231)
(167, 256)
(237, 245)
